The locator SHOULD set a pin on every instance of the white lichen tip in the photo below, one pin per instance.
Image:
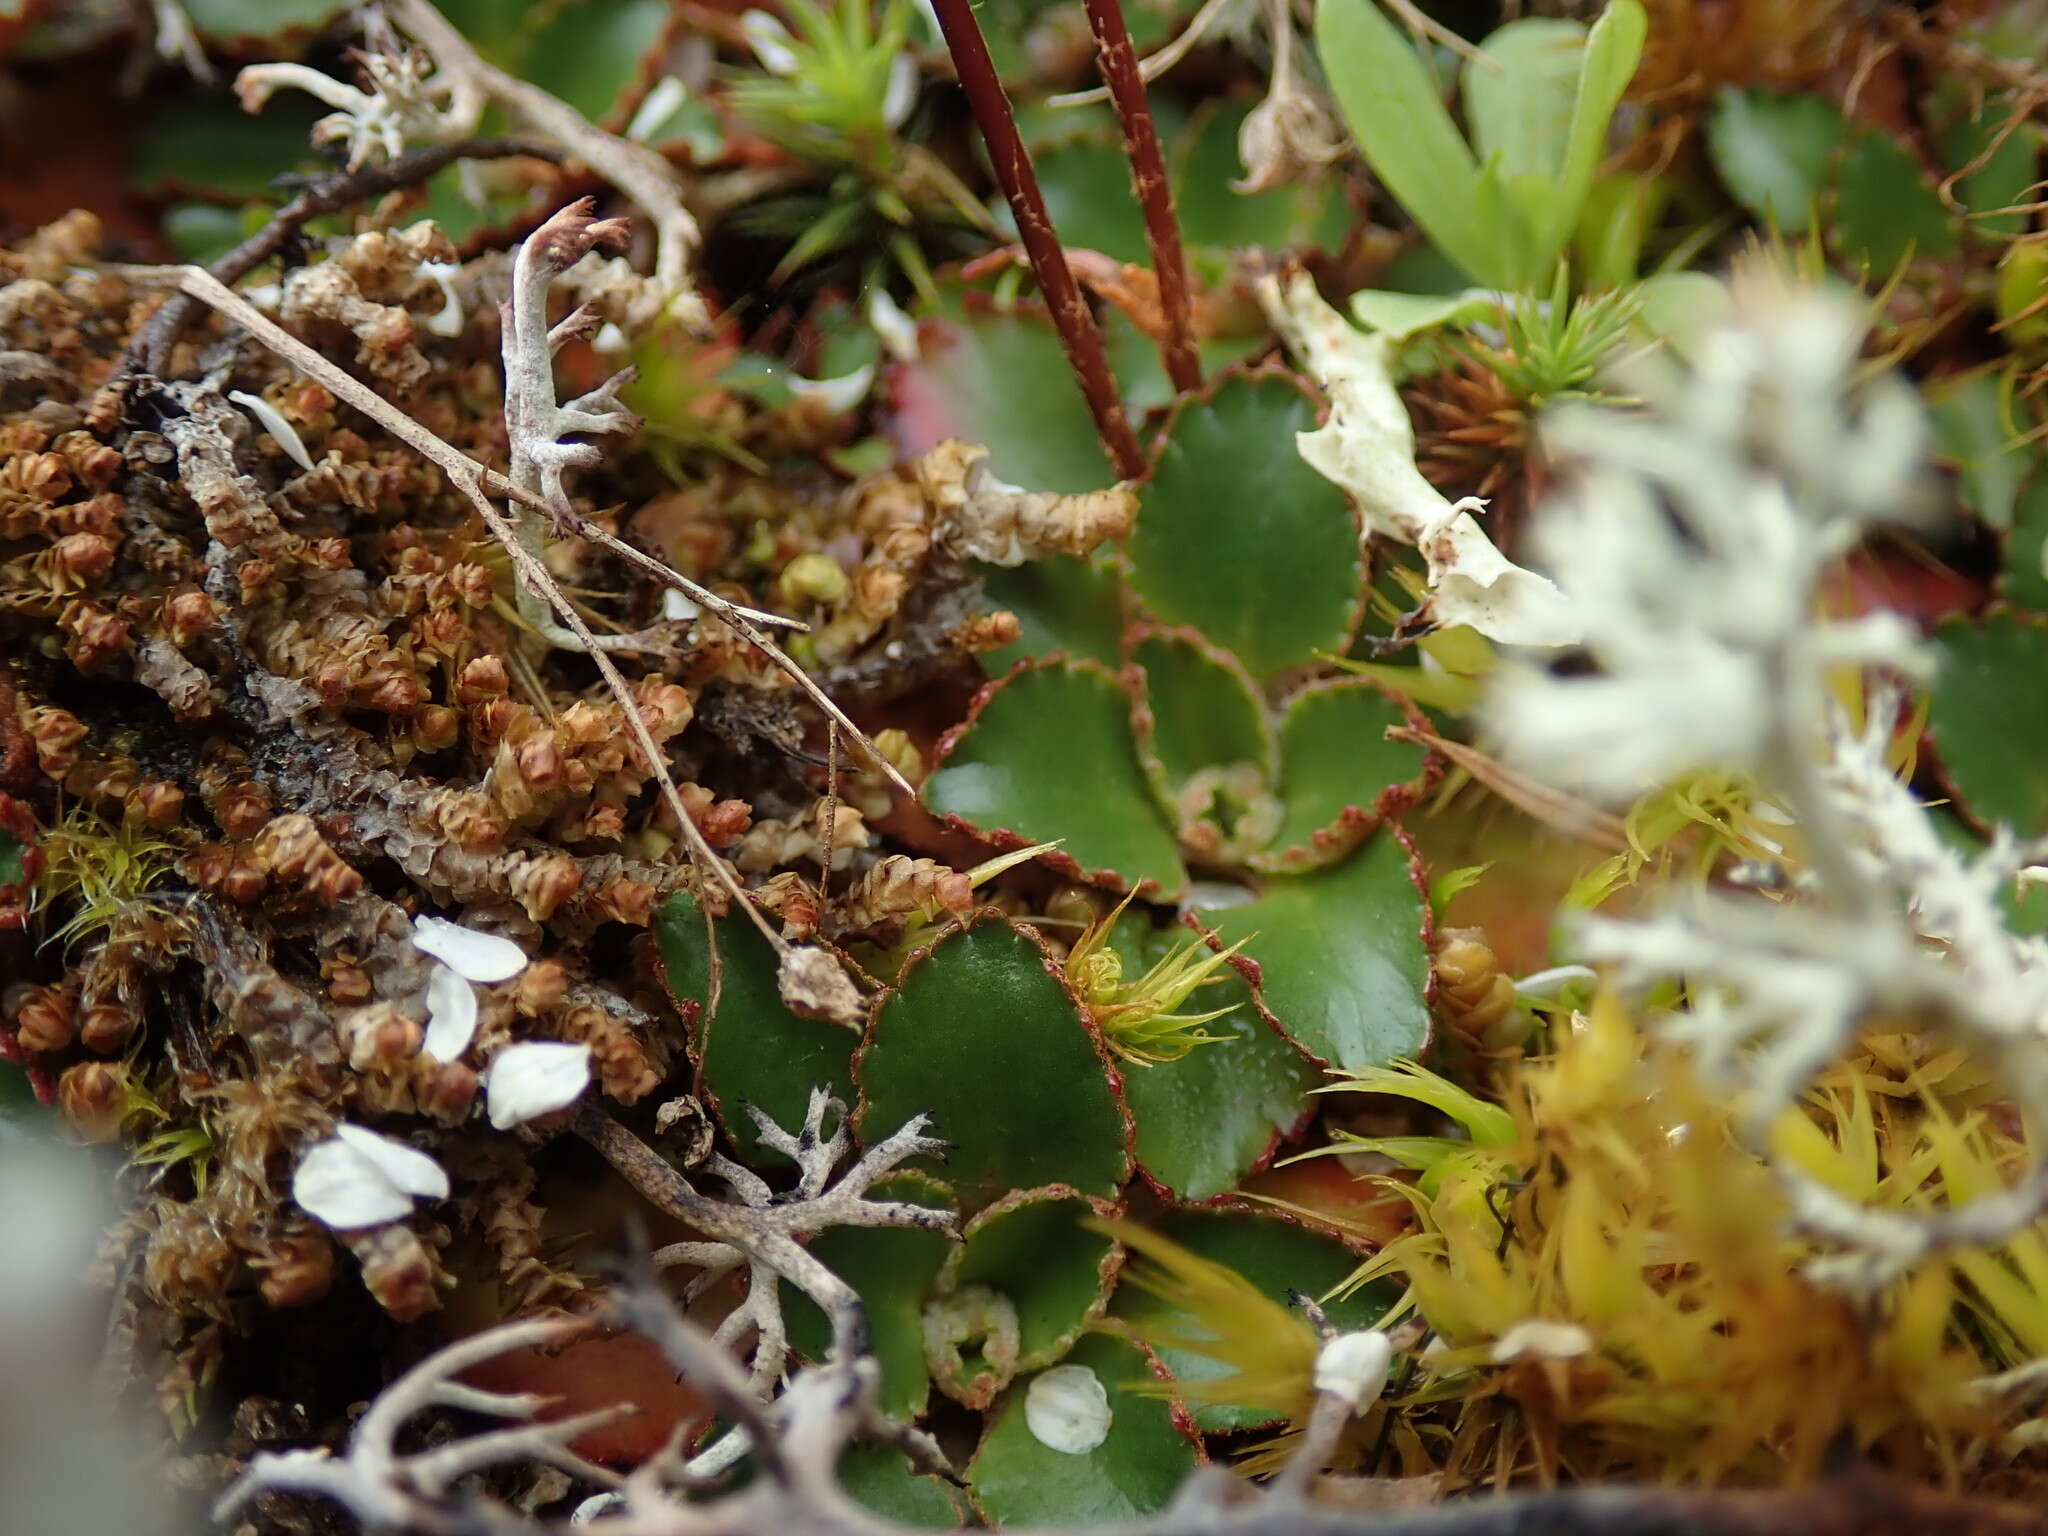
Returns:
(1067, 1409)
(271, 419)
(360, 1179)
(451, 1015)
(1539, 1338)
(1354, 1366)
(474, 956)
(840, 393)
(771, 42)
(533, 1079)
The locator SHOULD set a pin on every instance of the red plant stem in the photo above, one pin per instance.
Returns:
(1119, 62)
(1079, 335)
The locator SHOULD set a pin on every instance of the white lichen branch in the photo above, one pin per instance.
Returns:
(1692, 546)
(386, 1489)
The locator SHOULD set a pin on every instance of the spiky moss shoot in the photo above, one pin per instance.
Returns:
(102, 871)
(1138, 1018)
(1614, 1292)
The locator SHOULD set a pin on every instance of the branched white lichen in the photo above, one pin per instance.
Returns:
(766, 1231)
(388, 1490)
(1691, 546)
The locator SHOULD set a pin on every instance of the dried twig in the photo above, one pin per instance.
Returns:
(1079, 335)
(1155, 193)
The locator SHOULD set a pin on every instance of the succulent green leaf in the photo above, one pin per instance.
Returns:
(1208, 1119)
(1395, 112)
(590, 54)
(752, 1050)
(1970, 134)
(207, 146)
(1087, 188)
(1401, 315)
(1203, 737)
(1885, 207)
(1517, 92)
(225, 21)
(1341, 955)
(2025, 580)
(892, 1269)
(880, 1478)
(1613, 49)
(999, 379)
(985, 1036)
(1238, 538)
(1063, 603)
(1773, 151)
(1215, 216)
(1017, 1479)
(1339, 775)
(1049, 754)
(1035, 1247)
(1994, 754)
(1973, 431)
(1276, 1254)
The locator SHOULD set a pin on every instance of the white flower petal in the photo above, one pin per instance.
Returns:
(1067, 1409)
(407, 1168)
(1354, 1367)
(836, 394)
(533, 1079)
(360, 1179)
(901, 94)
(482, 957)
(656, 107)
(770, 40)
(272, 421)
(897, 330)
(447, 320)
(451, 1015)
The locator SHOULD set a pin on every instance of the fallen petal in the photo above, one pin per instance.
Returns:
(481, 957)
(537, 1078)
(407, 1168)
(1067, 1409)
(451, 1015)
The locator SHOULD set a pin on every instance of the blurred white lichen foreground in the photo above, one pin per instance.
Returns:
(1690, 543)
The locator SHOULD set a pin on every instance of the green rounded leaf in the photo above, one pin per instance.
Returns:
(1886, 209)
(1339, 775)
(1214, 214)
(1342, 962)
(1034, 1246)
(753, 1050)
(226, 21)
(1238, 538)
(1017, 1479)
(1203, 738)
(986, 1038)
(1087, 188)
(1208, 1119)
(1994, 751)
(1275, 1253)
(1049, 753)
(892, 1269)
(590, 54)
(1773, 151)
(880, 1478)
(999, 379)
(1063, 603)
(2025, 579)
(1971, 418)
(1974, 134)
(207, 146)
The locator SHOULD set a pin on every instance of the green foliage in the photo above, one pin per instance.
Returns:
(1538, 102)
(100, 872)
(1993, 753)
(1042, 1250)
(1773, 152)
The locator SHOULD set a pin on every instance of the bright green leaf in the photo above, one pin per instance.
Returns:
(1886, 209)
(985, 1036)
(1050, 754)
(1036, 1248)
(1773, 151)
(1994, 752)
(753, 1050)
(1338, 772)
(1401, 315)
(1238, 538)
(1973, 433)
(880, 1478)
(1063, 603)
(1341, 955)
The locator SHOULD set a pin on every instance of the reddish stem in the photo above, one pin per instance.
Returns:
(1155, 195)
(1079, 335)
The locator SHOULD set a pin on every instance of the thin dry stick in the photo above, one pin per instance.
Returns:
(1550, 806)
(469, 477)
(1079, 335)
(1119, 61)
